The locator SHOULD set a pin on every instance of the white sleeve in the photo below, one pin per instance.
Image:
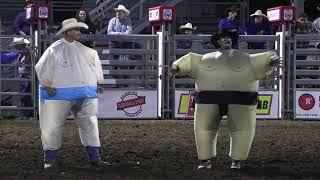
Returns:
(186, 64)
(45, 68)
(98, 68)
(261, 64)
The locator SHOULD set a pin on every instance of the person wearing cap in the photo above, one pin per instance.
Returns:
(226, 83)
(258, 24)
(186, 29)
(21, 24)
(231, 23)
(24, 70)
(21, 57)
(69, 75)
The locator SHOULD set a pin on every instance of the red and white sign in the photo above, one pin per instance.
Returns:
(307, 105)
(128, 104)
(162, 14)
(281, 14)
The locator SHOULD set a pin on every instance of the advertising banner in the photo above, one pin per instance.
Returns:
(267, 107)
(128, 104)
(307, 105)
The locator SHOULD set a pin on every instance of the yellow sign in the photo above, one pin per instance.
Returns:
(264, 104)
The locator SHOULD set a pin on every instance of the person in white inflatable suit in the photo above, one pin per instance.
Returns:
(69, 75)
(226, 83)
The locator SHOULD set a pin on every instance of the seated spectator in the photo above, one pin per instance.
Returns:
(21, 24)
(258, 25)
(82, 15)
(230, 23)
(24, 69)
(186, 29)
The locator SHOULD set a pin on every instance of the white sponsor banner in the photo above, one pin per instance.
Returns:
(267, 107)
(128, 104)
(307, 105)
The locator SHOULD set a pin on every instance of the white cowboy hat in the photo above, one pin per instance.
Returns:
(69, 24)
(258, 13)
(18, 40)
(122, 8)
(187, 26)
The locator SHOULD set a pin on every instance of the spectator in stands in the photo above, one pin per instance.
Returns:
(69, 75)
(82, 15)
(231, 23)
(258, 24)
(24, 69)
(120, 25)
(21, 24)
(303, 26)
(186, 29)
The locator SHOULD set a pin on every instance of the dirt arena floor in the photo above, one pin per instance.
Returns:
(162, 150)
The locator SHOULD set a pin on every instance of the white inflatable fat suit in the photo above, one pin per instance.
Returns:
(74, 70)
(226, 83)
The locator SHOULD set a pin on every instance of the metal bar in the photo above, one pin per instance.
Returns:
(129, 72)
(129, 51)
(308, 72)
(129, 62)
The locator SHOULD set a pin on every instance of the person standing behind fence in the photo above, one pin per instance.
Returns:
(258, 24)
(21, 24)
(230, 23)
(82, 15)
(186, 29)
(69, 75)
(24, 70)
(120, 25)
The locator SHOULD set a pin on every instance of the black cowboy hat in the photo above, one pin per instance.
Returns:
(224, 33)
(233, 8)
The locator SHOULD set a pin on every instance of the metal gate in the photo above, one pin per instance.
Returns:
(304, 79)
(16, 89)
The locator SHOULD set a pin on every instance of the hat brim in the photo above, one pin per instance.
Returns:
(185, 27)
(25, 41)
(126, 11)
(263, 15)
(73, 26)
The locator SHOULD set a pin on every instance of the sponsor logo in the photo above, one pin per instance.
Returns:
(131, 103)
(43, 12)
(288, 14)
(186, 104)
(264, 104)
(306, 101)
(167, 14)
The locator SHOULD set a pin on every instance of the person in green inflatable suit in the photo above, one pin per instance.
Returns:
(226, 83)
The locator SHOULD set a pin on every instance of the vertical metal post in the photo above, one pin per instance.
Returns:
(141, 10)
(0, 66)
(160, 71)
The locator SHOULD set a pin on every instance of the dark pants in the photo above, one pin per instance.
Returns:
(26, 100)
